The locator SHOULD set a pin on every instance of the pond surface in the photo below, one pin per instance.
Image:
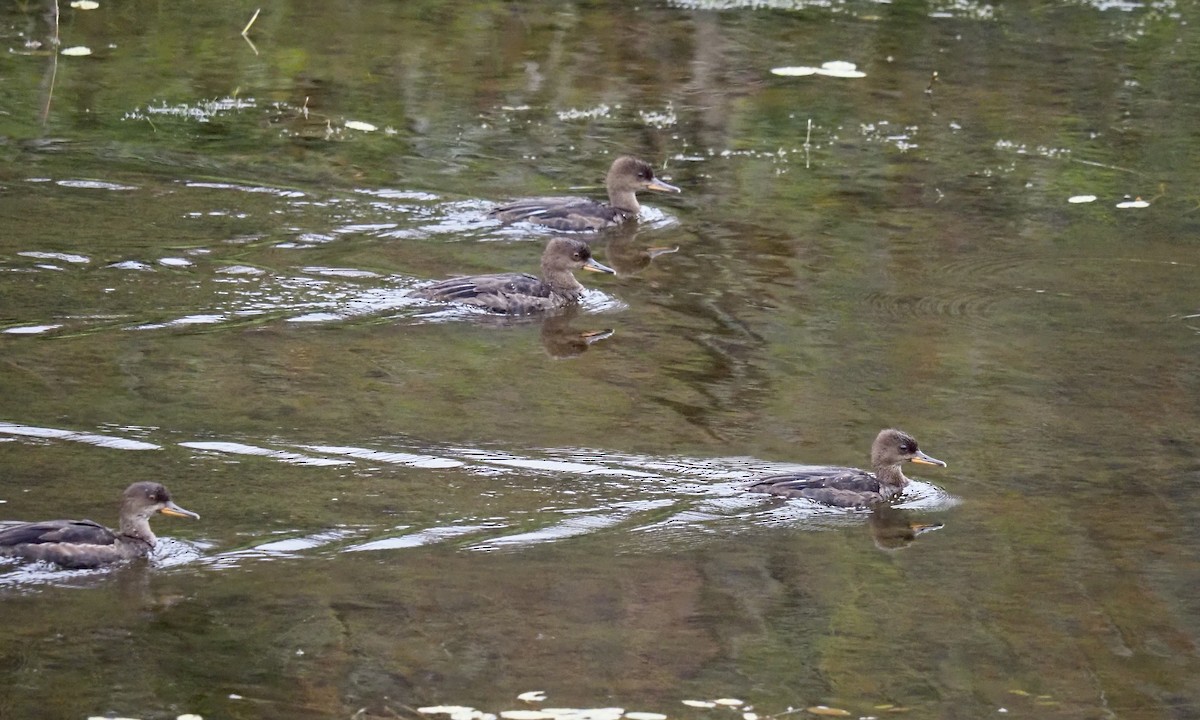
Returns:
(209, 243)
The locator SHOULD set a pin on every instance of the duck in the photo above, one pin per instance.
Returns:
(521, 293)
(85, 544)
(851, 487)
(626, 177)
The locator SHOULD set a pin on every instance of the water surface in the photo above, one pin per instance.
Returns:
(207, 261)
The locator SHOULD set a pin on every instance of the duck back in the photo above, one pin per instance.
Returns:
(56, 531)
(840, 487)
(509, 293)
(561, 213)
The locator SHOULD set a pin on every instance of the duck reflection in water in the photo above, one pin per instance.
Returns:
(521, 293)
(894, 529)
(86, 544)
(561, 341)
(626, 177)
(626, 256)
(851, 487)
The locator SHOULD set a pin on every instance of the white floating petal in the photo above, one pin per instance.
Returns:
(699, 703)
(77, 51)
(1139, 203)
(840, 69)
(532, 696)
(794, 71)
(525, 715)
(187, 716)
(749, 716)
(827, 711)
(585, 713)
(645, 716)
(89, 5)
(356, 125)
(731, 702)
(1076, 199)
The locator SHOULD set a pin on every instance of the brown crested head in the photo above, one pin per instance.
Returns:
(147, 498)
(893, 447)
(563, 254)
(631, 174)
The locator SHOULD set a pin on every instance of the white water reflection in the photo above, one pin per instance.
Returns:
(234, 448)
(32, 329)
(105, 441)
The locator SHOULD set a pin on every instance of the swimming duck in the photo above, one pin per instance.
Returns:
(625, 178)
(85, 544)
(850, 487)
(519, 293)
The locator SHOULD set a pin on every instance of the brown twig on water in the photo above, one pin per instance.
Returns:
(932, 79)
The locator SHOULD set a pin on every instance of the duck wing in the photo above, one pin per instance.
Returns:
(512, 293)
(561, 213)
(840, 487)
(75, 532)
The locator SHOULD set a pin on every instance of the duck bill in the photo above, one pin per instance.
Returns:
(922, 459)
(661, 186)
(175, 511)
(592, 266)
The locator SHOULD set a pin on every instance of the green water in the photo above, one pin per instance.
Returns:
(205, 276)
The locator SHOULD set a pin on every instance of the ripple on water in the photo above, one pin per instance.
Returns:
(975, 291)
(104, 441)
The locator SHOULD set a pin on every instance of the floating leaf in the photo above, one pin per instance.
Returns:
(840, 69)
(699, 703)
(1022, 693)
(356, 125)
(92, 5)
(77, 51)
(828, 711)
(833, 68)
(794, 71)
(1076, 199)
(585, 713)
(532, 696)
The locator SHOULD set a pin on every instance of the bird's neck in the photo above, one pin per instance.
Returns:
(137, 528)
(624, 200)
(562, 282)
(891, 480)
